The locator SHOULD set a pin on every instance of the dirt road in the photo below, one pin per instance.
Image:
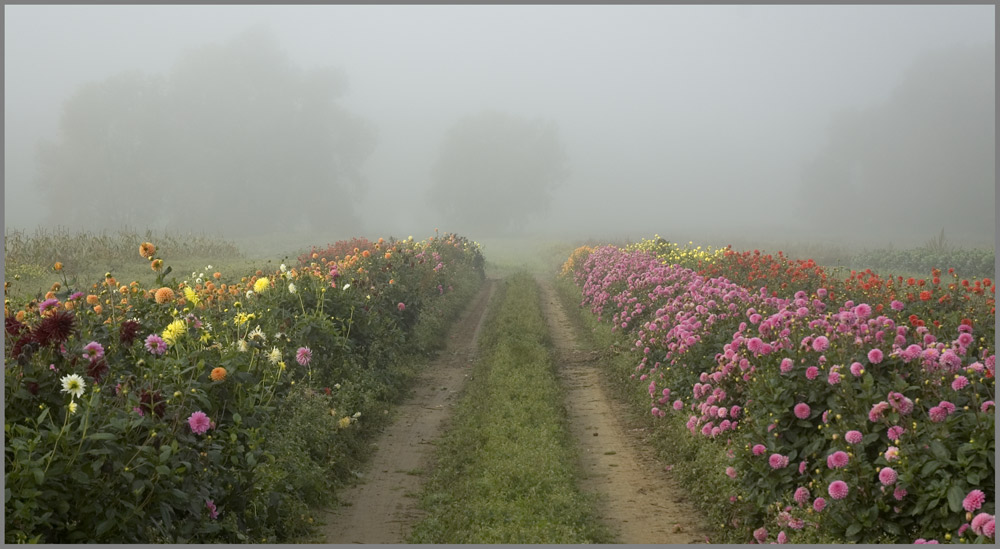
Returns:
(639, 500)
(384, 506)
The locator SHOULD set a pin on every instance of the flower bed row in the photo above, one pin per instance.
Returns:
(855, 410)
(214, 409)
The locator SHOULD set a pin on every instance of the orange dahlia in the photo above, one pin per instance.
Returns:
(146, 250)
(218, 374)
(164, 294)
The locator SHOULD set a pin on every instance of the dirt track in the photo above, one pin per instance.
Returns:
(384, 507)
(639, 500)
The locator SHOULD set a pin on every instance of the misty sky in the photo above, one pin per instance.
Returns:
(665, 112)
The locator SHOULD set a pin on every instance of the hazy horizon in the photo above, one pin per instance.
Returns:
(855, 125)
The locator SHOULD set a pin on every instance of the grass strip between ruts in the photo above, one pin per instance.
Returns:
(506, 470)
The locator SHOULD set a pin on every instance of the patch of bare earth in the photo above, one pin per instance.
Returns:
(639, 499)
(383, 507)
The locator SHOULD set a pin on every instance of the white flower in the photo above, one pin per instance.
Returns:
(201, 275)
(208, 267)
(336, 386)
(257, 333)
(274, 356)
(242, 346)
(356, 415)
(72, 406)
(197, 280)
(249, 294)
(346, 286)
(73, 384)
(283, 268)
(291, 287)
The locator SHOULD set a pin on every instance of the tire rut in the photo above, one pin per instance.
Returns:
(639, 500)
(383, 507)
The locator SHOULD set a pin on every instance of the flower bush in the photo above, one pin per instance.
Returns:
(853, 410)
(218, 411)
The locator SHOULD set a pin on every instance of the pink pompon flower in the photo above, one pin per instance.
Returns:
(782, 538)
(138, 410)
(979, 521)
(937, 414)
(989, 528)
(853, 437)
(212, 511)
(802, 466)
(820, 344)
(730, 472)
(401, 306)
(891, 453)
(887, 476)
(863, 311)
(303, 356)
(199, 422)
(947, 406)
(896, 305)
(760, 534)
(812, 372)
(155, 344)
(819, 504)
(895, 432)
(838, 489)
(837, 460)
(987, 405)
(877, 410)
(899, 493)
(875, 356)
(802, 410)
(900, 403)
(833, 378)
(965, 339)
(758, 449)
(786, 365)
(857, 369)
(960, 383)
(974, 500)
(801, 495)
(777, 461)
(678, 404)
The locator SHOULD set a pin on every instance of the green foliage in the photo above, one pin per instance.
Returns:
(283, 435)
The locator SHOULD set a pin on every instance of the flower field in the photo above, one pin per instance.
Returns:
(823, 409)
(222, 409)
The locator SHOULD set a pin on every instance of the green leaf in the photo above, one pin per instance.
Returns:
(939, 450)
(853, 530)
(102, 436)
(929, 468)
(39, 476)
(972, 478)
(955, 496)
(163, 470)
(237, 418)
(105, 526)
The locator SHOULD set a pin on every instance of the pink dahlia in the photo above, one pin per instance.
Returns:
(760, 534)
(887, 476)
(155, 344)
(199, 422)
(802, 410)
(819, 504)
(838, 489)
(837, 460)
(303, 356)
(895, 432)
(974, 500)
(777, 461)
(758, 449)
(786, 365)
(853, 437)
(812, 372)
(960, 383)
(820, 344)
(801, 495)
(875, 356)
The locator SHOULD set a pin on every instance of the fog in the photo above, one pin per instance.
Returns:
(857, 125)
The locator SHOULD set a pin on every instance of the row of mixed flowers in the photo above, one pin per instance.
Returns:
(789, 376)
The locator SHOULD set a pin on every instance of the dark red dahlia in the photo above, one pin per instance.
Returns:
(13, 326)
(97, 368)
(129, 331)
(55, 328)
(153, 402)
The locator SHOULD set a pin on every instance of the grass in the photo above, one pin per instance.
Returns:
(506, 468)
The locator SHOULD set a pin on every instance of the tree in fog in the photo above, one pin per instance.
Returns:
(918, 162)
(235, 138)
(495, 171)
